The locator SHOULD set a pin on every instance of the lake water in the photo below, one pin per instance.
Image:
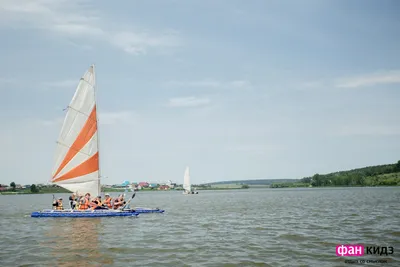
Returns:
(255, 227)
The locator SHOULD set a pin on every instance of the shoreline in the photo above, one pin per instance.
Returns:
(208, 189)
(112, 191)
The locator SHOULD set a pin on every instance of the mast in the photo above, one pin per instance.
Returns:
(98, 131)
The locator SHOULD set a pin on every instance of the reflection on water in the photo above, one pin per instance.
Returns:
(75, 242)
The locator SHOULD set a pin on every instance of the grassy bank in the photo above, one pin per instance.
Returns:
(380, 175)
(42, 190)
(287, 185)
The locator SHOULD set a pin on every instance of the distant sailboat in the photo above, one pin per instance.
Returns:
(187, 187)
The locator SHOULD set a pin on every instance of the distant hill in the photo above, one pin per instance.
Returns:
(368, 176)
(256, 182)
(387, 174)
(378, 175)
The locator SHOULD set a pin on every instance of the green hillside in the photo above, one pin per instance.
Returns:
(379, 175)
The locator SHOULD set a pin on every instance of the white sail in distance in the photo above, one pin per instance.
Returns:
(77, 165)
(186, 180)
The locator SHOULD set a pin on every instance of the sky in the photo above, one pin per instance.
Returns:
(233, 89)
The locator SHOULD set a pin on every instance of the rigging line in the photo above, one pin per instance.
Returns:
(78, 111)
(95, 179)
(87, 118)
(91, 85)
(78, 151)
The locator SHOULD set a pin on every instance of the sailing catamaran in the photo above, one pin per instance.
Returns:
(187, 187)
(77, 166)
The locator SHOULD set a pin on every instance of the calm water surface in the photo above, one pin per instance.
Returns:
(255, 227)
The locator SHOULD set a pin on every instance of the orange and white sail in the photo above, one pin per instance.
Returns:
(77, 156)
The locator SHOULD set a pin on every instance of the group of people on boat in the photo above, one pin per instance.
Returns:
(87, 203)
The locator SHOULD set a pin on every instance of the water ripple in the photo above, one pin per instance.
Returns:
(288, 227)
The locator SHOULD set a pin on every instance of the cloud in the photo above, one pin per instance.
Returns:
(117, 117)
(60, 84)
(240, 84)
(81, 46)
(371, 79)
(136, 43)
(210, 83)
(188, 102)
(255, 149)
(52, 122)
(368, 130)
(308, 86)
(105, 118)
(59, 16)
(203, 83)
(6, 81)
(78, 19)
(387, 77)
(44, 86)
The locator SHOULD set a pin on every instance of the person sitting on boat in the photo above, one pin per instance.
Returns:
(119, 202)
(58, 205)
(116, 203)
(96, 204)
(77, 203)
(107, 201)
(73, 201)
(84, 202)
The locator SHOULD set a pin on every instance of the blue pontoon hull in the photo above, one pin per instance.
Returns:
(84, 213)
(147, 210)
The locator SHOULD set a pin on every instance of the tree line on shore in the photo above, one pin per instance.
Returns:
(33, 188)
(380, 175)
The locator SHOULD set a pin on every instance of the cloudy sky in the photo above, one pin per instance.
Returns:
(234, 89)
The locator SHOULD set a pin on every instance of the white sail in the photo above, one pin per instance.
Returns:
(186, 180)
(77, 165)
